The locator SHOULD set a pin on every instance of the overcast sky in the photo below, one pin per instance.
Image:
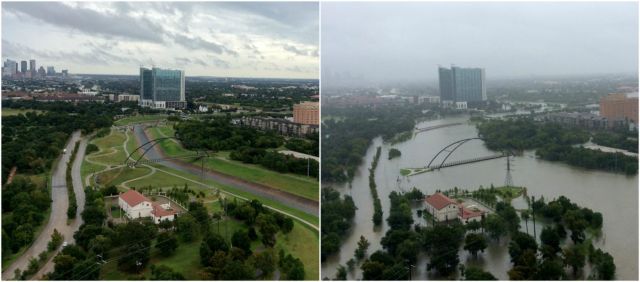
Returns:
(215, 39)
(376, 42)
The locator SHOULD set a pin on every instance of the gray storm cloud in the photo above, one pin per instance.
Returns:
(385, 42)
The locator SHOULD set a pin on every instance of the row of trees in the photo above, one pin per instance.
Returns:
(72, 209)
(308, 145)
(275, 161)
(617, 140)
(347, 138)
(377, 206)
(337, 213)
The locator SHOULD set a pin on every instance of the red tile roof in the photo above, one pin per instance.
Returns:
(133, 198)
(439, 201)
(467, 213)
(160, 212)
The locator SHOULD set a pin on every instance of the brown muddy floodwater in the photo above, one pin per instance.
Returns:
(614, 195)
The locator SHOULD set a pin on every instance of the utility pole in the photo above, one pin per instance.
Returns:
(508, 181)
(308, 163)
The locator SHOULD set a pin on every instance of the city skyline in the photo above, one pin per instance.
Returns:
(271, 40)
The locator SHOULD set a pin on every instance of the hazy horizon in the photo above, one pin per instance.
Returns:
(382, 43)
(241, 39)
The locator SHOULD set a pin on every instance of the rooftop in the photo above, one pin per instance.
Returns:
(439, 201)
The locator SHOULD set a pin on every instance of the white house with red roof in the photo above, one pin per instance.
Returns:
(441, 207)
(136, 205)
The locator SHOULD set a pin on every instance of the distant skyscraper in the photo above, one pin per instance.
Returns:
(462, 84)
(42, 72)
(10, 68)
(32, 65)
(65, 73)
(23, 66)
(162, 88)
(51, 70)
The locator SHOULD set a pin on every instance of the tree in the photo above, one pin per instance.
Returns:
(287, 225)
(576, 223)
(93, 215)
(268, 228)
(56, 240)
(475, 243)
(265, 262)
(210, 246)
(475, 273)
(495, 226)
(163, 272)
(167, 243)
(137, 257)
(605, 268)
(549, 236)
(361, 251)
(550, 269)
(240, 239)
(372, 270)
(237, 270)
(575, 257)
(341, 274)
(187, 227)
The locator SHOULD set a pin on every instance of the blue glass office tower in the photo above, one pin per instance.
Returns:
(462, 84)
(162, 88)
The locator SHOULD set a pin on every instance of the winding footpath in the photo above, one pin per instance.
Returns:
(58, 217)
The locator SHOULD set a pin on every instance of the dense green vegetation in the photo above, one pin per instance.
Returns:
(617, 140)
(73, 204)
(248, 145)
(337, 213)
(377, 206)
(394, 153)
(129, 246)
(268, 96)
(346, 140)
(308, 145)
(554, 143)
(32, 141)
(24, 207)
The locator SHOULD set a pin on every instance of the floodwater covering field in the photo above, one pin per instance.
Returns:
(614, 195)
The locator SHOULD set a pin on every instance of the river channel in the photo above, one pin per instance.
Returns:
(614, 195)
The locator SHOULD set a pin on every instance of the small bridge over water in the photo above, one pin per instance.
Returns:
(435, 163)
(424, 129)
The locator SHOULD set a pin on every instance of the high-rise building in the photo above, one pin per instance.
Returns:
(462, 84)
(23, 66)
(65, 73)
(51, 70)
(32, 65)
(306, 113)
(42, 72)
(10, 68)
(620, 109)
(162, 88)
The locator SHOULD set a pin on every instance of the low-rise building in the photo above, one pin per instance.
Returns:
(581, 120)
(441, 207)
(136, 205)
(281, 126)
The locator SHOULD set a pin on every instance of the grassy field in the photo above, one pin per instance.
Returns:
(119, 175)
(13, 112)
(161, 179)
(214, 184)
(297, 244)
(139, 118)
(303, 186)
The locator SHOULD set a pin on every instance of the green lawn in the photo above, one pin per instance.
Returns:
(161, 179)
(310, 218)
(119, 175)
(13, 112)
(297, 243)
(140, 118)
(295, 184)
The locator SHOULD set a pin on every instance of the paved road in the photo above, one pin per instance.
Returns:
(78, 188)
(58, 217)
(290, 200)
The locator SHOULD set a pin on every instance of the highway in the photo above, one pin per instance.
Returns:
(58, 218)
(290, 200)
